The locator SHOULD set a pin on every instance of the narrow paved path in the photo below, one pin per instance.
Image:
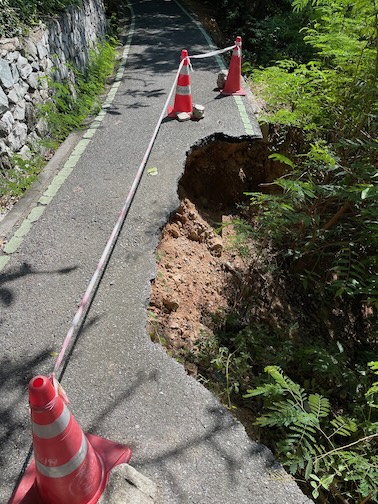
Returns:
(121, 386)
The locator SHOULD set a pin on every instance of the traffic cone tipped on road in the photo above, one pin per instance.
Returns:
(183, 99)
(69, 467)
(233, 81)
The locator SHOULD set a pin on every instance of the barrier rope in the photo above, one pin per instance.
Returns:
(214, 53)
(121, 219)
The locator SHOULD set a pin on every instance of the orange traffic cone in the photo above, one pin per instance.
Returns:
(69, 466)
(183, 99)
(233, 81)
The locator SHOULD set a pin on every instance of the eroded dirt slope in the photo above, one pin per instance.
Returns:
(195, 285)
(201, 266)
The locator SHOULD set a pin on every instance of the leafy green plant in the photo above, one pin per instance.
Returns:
(16, 180)
(10, 24)
(372, 394)
(17, 15)
(294, 94)
(234, 371)
(326, 212)
(73, 101)
(319, 229)
(275, 37)
(336, 89)
(69, 106)
(270, 30)
(155, 332)
(312, 439)
(240, 238)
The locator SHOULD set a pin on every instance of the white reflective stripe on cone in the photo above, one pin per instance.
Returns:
(184, 70)
(54, 428)
(67, 468)
(183, 90)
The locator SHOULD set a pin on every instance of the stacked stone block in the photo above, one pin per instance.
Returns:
(25, 63)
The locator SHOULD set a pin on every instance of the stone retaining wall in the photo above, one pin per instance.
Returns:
(24, 64)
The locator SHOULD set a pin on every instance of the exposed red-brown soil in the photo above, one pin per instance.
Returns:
(194, 286)
(201, 266)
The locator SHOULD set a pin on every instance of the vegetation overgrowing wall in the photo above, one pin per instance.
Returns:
(50, 50)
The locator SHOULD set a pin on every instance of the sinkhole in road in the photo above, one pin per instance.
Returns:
(200, 268)
(220, 170)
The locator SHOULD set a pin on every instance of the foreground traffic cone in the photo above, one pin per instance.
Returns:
(69, 467)
(233, 81)
(183, 99)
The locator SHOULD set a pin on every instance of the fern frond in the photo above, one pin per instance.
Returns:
(344, 426)
(267, 390)
(308, 421)
(301, 433)
(299, 5)
(282, 414)
(297, 392)
(319, 405)
(309, 468)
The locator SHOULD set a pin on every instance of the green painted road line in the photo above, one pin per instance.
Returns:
(55, 185)
(61, 177)
(36, 213)
(244, 116)
(68, 165)
(24, 229)
(53, 188)
(112, 94)
(208, 39)
(13, 244)
(100, 116)
(4, 260)
(89, 133)
(95, 124)
(80, 147)
(45, 200)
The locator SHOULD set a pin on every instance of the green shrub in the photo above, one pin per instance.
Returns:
(17, 15)
(10, 23)
(69, 107)
(319, 232)
(72, 102)
(23, 172)
(334, 452)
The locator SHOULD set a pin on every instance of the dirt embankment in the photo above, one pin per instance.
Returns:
(200, 256)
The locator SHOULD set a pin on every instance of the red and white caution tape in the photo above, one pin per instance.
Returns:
(121, 217)
(212, 53)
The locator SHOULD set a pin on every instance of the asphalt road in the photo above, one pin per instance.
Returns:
(121, 386)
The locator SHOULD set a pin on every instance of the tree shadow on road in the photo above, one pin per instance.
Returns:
(14, 417)
(7, 295)
(142, 378)
(162, 35)
(15, 427)
(219, 442)
(214, 441)
(225, 460)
